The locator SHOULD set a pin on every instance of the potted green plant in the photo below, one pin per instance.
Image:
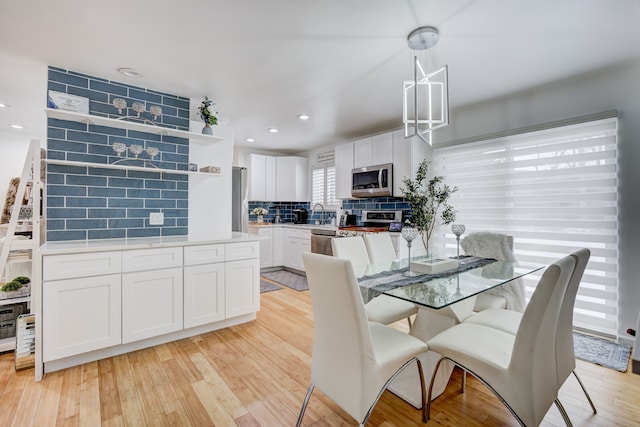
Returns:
(208, 114)
(428, 201)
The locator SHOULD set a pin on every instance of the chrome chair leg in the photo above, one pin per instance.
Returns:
(424, 391)
(593, 407)
(464, 380)
(304, 405)
(564, 414)
(409, 322)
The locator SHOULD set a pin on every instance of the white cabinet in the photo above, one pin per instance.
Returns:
(278, 247)
(291, 179)
(296, 242)
(204, 284)
(204, 294)
(344, 165)
(407, 155)
(281, 179)
(262, 177)
(375, 150)
(266, 246)
(243, 287)
(82, 315)
(151, 303)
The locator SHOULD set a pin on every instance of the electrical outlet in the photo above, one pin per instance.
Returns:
(156, 218)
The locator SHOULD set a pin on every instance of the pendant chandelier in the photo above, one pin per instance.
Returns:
(426, 97)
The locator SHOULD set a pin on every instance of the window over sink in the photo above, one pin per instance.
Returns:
(323, 186)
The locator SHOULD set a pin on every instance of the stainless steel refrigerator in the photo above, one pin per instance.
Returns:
(239, 202)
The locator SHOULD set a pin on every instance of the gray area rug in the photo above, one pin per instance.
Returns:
(288, 279)
(268, 286)
(601, 352)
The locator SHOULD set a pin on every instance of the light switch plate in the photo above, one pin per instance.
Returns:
(156, 218)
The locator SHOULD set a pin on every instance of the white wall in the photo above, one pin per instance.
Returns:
(617, 88)
(210, 197)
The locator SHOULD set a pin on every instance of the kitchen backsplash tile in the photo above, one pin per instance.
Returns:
(97, 203)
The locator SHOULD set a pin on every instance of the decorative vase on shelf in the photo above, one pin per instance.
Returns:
(260, 218)
(207, 129)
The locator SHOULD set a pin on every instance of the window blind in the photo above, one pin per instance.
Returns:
(555, 191)
(324, 186)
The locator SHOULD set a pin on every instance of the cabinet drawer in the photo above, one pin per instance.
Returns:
(299, 234)
(151, 259)
(203, 254)
(235, 251)
(56, 267)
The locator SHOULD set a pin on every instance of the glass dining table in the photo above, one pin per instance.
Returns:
(443, 300)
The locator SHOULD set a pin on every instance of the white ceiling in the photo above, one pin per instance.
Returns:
(341, 61)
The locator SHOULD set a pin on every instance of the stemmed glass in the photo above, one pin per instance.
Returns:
(409, 233)
(458, 230)
(119, 148)
(135, 149)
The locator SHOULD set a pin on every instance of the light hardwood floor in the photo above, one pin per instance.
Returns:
(257, 375)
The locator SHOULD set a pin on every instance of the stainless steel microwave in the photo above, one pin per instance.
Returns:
(372, 181)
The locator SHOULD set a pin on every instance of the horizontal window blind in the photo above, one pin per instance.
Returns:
(555, 191)
(324, 186)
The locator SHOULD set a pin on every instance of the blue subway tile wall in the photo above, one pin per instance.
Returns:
(97, 203)
(356, 206)
(286, 210)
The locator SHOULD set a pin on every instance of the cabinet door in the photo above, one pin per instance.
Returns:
(266, 247)
(362, 153)
(278, 247)
(270, 178)
(151, 303)
(257, 174)
(344, 165)
(82, 315)
(204, 294)
(286, 179)
(382, 149)
(242, 291)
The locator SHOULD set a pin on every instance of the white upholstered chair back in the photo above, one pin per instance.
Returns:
(533, 360)
(351, 248)
(353, 360)
(566, 359)
(379, 247)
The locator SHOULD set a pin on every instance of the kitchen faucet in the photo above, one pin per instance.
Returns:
(322, 215)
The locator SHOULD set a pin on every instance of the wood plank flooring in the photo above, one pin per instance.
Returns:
(257, 375)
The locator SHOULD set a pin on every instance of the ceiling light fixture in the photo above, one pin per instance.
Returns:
(16, 126)
(273, 130)
(129, 72)
(249, 140)
(3, 105)
(304, 116)
(426, 97)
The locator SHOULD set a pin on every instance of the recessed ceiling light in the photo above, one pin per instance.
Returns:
(16, 126)
(304, 116)
(273, 130)
(249, 139)
(129, 72)
(3, 105)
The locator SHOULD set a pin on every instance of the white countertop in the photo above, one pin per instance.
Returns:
(292, 225)
(71, 246)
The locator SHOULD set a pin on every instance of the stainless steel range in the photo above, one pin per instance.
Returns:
(374, 221)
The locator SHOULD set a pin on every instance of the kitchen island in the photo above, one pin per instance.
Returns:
(99, 298)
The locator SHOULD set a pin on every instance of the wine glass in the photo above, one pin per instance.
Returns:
(152, 152)
(138, 107)
(135, 149)
(120, 104)
(119, 148)
(458, 230)
(409, 233)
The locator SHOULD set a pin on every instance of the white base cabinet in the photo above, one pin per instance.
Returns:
(84, 313)
(102, 303)
(151, 303)
(204, 294)
(297, 242)
(243, 287)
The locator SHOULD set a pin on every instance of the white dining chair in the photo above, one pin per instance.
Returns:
(520, 369)
(353, 359)
(499, 246)
(509, 321)
(383, 308)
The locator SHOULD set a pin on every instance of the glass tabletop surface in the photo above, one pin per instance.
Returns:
(472, 277)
